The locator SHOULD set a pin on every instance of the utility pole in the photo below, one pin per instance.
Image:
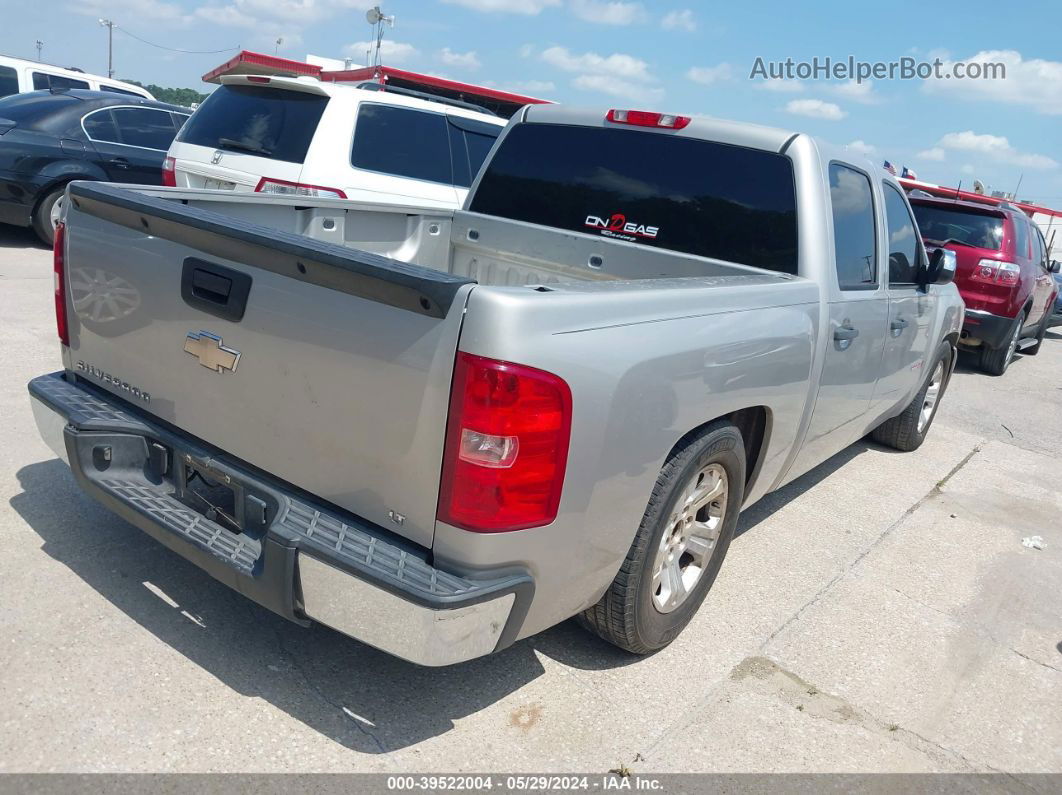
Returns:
(110, 45)
(40, 44)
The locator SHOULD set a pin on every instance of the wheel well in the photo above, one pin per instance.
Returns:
(753, 424)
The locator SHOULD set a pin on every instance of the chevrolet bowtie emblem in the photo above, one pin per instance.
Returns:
(207, 348)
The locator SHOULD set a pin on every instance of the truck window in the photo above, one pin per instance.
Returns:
(42, 81)
(699, 197)
(903, 241)
(470, 141)
(402, 142)
(265, 122)
(116, 90)
(937, 224)
(854, 237)
(8, 81)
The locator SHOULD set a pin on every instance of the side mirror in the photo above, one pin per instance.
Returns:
(1054, 266)
(941, 268)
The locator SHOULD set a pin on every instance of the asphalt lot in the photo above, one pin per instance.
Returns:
(879, 614)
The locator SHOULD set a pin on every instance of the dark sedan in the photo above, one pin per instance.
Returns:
(48, 138)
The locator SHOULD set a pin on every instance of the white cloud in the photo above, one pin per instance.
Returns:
(618, 75)
(815, 109)
(1036, 82)
(679, 20)
(615, 65)
(997, 148)
(526, 7)
(706, 75)
(463, 60)
(608, 13)
(936, 154)
(967, 169)
(862, 147)
(857, 92)
(781, 86)
(624, 89)
(391, 52)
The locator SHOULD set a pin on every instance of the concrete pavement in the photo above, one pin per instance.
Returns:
(879, 614)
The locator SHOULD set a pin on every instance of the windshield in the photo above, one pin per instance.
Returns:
(266, 122)
(970, 228)
(709, 199)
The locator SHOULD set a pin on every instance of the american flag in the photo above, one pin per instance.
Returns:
(890, 168)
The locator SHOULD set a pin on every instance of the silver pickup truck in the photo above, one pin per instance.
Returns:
(441, 432)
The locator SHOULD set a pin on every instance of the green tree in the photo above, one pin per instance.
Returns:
(175, 96)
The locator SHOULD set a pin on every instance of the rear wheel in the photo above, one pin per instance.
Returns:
(679, 546)
(995, 361)
(908, 430)
(47, 215)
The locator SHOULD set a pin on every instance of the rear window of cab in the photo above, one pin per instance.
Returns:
(709, 199)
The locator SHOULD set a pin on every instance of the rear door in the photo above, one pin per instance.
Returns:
(325, 367)
(911, 309)
(1043, 292)
(858, 309)
(131, 141)
(245, 132)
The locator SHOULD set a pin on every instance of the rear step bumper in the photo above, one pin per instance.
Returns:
(300, 559)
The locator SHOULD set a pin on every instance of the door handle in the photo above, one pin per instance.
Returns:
(119, 162)
(899, 324)
(845, 334)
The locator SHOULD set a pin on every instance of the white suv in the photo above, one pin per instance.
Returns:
(298, 135)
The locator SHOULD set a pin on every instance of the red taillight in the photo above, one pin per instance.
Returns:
(257, 79)
(59, 279)
(285, 188)
(645, 118)
(990, 271)
(506, 446)
(169, 173)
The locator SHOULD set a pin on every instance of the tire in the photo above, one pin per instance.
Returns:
(1032, 350)
(995, 361)
(630, 614)
(909, 429)
(42, 216)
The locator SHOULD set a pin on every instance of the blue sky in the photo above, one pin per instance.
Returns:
(682, 57)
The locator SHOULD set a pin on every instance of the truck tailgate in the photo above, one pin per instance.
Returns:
(324, 366)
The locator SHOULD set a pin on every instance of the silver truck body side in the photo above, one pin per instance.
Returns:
(346, 397)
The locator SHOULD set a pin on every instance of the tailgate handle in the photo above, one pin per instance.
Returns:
(215, 289)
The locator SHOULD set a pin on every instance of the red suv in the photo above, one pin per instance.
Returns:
(1002, 272)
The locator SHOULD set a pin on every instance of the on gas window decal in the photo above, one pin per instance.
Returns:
(617, 225)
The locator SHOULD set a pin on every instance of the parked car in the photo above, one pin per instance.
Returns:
(302, 136)
(1002, 273)
(555, 405)
(48, 138)
(20, 76)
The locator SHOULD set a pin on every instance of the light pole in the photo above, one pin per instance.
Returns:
(110, 45)
(40, 44)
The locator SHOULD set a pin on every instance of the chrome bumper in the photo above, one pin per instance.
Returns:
(305, 563)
